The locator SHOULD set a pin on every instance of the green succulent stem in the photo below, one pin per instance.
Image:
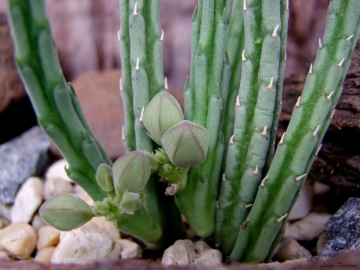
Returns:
(141, 46)
(204, 90)
(298, 147)
(55, 102)
(255, 108)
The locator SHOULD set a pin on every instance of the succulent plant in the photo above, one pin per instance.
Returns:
(218, 159)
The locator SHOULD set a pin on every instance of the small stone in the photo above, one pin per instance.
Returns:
(4, 255)
(5, 211)
(47, 236)
(18, 240)
(129, 249)
(304, 203)
(290, 249)
(185, 253)
(182, 253)
(84, 245)
(27, 200)
(79, 191)
(321, 189)
(57, 171)
(201, 247)
(37, 222)
(307, 228)
(210, 257)
(44, 255)
(4, 222)
(343, 229)
(54, 186)
(106, 226)
(21, 158)
(320, 244)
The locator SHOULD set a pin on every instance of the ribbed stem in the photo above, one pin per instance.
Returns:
(55, 102)
(254, 117)
(206, 88)
(297, 150)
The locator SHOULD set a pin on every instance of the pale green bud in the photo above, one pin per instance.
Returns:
(168, 168)
(160, 114)
(101, 208)
(131, 172)
(186, 144)
(161, 156)
(104, 177)
(66, 212)
(153, 163)
(130, 202)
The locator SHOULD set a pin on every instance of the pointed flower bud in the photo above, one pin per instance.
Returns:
(131, 172)
(186, 144)
(160, 114)
(153, 163)
(130, 202)
(161, 156)
(104, 177)
(101, 208)
(66, 212)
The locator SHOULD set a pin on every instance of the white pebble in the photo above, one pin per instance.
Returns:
(79, 191)
(44, 255)
(18, 240)
(304, 203)
(28, 200)
(210, 257)
(5, 211)
(57, 171)
(37, 222)
(181, 253)
(54, 186)
(185, 253)
(47, 236)
(290, 249)
(107, 227)
(84, 245)
(129, 249)
(307, 228)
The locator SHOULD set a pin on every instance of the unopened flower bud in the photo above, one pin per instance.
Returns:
(168, 168)
(186, 144)
(130, 202)
(101, 208)
(104, 177)
(66, 212)
(161, 156)
(160, 114)
(153, 163)
(131, 172)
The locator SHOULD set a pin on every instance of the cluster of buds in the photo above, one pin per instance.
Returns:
(183, 144)
(124, 183)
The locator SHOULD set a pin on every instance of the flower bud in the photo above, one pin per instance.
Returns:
(160, 114)
(186, 144)
(101, 208)
(130, 202)
(153, 163)
(161, 156)
(66, 212)
(131, 172)
(104, 177)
